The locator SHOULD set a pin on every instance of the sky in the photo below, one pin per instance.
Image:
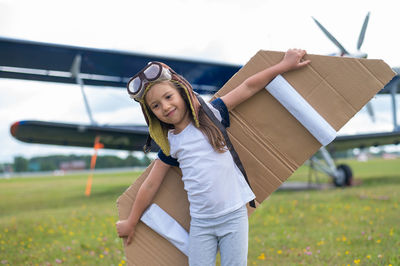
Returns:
(227, 31)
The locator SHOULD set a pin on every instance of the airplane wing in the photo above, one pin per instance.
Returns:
(133, 138)
(364, 140)
(21, 59)
(29, 60)
(130, 138)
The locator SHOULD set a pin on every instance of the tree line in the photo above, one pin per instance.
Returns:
(53, 162)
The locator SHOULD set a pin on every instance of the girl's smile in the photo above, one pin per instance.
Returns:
(170, 113)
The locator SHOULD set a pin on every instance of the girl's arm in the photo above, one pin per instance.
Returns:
(143, 198)
(292, 60)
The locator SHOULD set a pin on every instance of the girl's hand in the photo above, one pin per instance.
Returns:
(125, 229)
(293, 59)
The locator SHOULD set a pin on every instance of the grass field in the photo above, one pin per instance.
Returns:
(49, 221)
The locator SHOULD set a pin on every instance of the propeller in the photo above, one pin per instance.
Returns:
(330, 37)
(337, 43)
(359, 54)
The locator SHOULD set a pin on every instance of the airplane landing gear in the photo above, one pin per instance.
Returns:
(343, 176)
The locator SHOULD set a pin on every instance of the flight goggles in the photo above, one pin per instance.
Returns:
(154, 71)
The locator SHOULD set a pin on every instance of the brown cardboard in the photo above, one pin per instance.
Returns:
(271, 143)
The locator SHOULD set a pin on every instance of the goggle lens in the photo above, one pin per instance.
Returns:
(152, 72)
(135, 85)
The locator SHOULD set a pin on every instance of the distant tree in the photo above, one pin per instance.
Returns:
(131, 160)
(48, 165)
(52, 162)
(20, 164)
(109, 161)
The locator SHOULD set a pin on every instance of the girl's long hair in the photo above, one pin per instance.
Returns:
(212, 132)
(207, 127)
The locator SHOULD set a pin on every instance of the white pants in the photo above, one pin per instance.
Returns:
(229, 233)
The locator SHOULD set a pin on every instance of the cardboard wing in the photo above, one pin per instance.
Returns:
(270, 141)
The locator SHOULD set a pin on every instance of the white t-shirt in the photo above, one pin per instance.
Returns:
(214, 184)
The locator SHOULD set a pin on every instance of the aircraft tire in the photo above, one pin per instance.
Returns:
(347, 176)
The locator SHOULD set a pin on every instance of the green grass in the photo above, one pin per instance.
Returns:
(357, 225)
(49, 220)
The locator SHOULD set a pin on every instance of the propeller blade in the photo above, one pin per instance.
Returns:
(371, 111)
(362, 33)
(330, 36)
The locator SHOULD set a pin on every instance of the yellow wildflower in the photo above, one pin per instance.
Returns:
(261, 257)
(357, 261)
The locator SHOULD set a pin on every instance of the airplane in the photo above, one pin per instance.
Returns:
(391, 88)
(342, 174)
(21, 59)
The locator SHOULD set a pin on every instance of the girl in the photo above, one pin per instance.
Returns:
(188, 139)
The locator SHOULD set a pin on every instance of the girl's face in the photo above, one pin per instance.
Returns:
(167, 104)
